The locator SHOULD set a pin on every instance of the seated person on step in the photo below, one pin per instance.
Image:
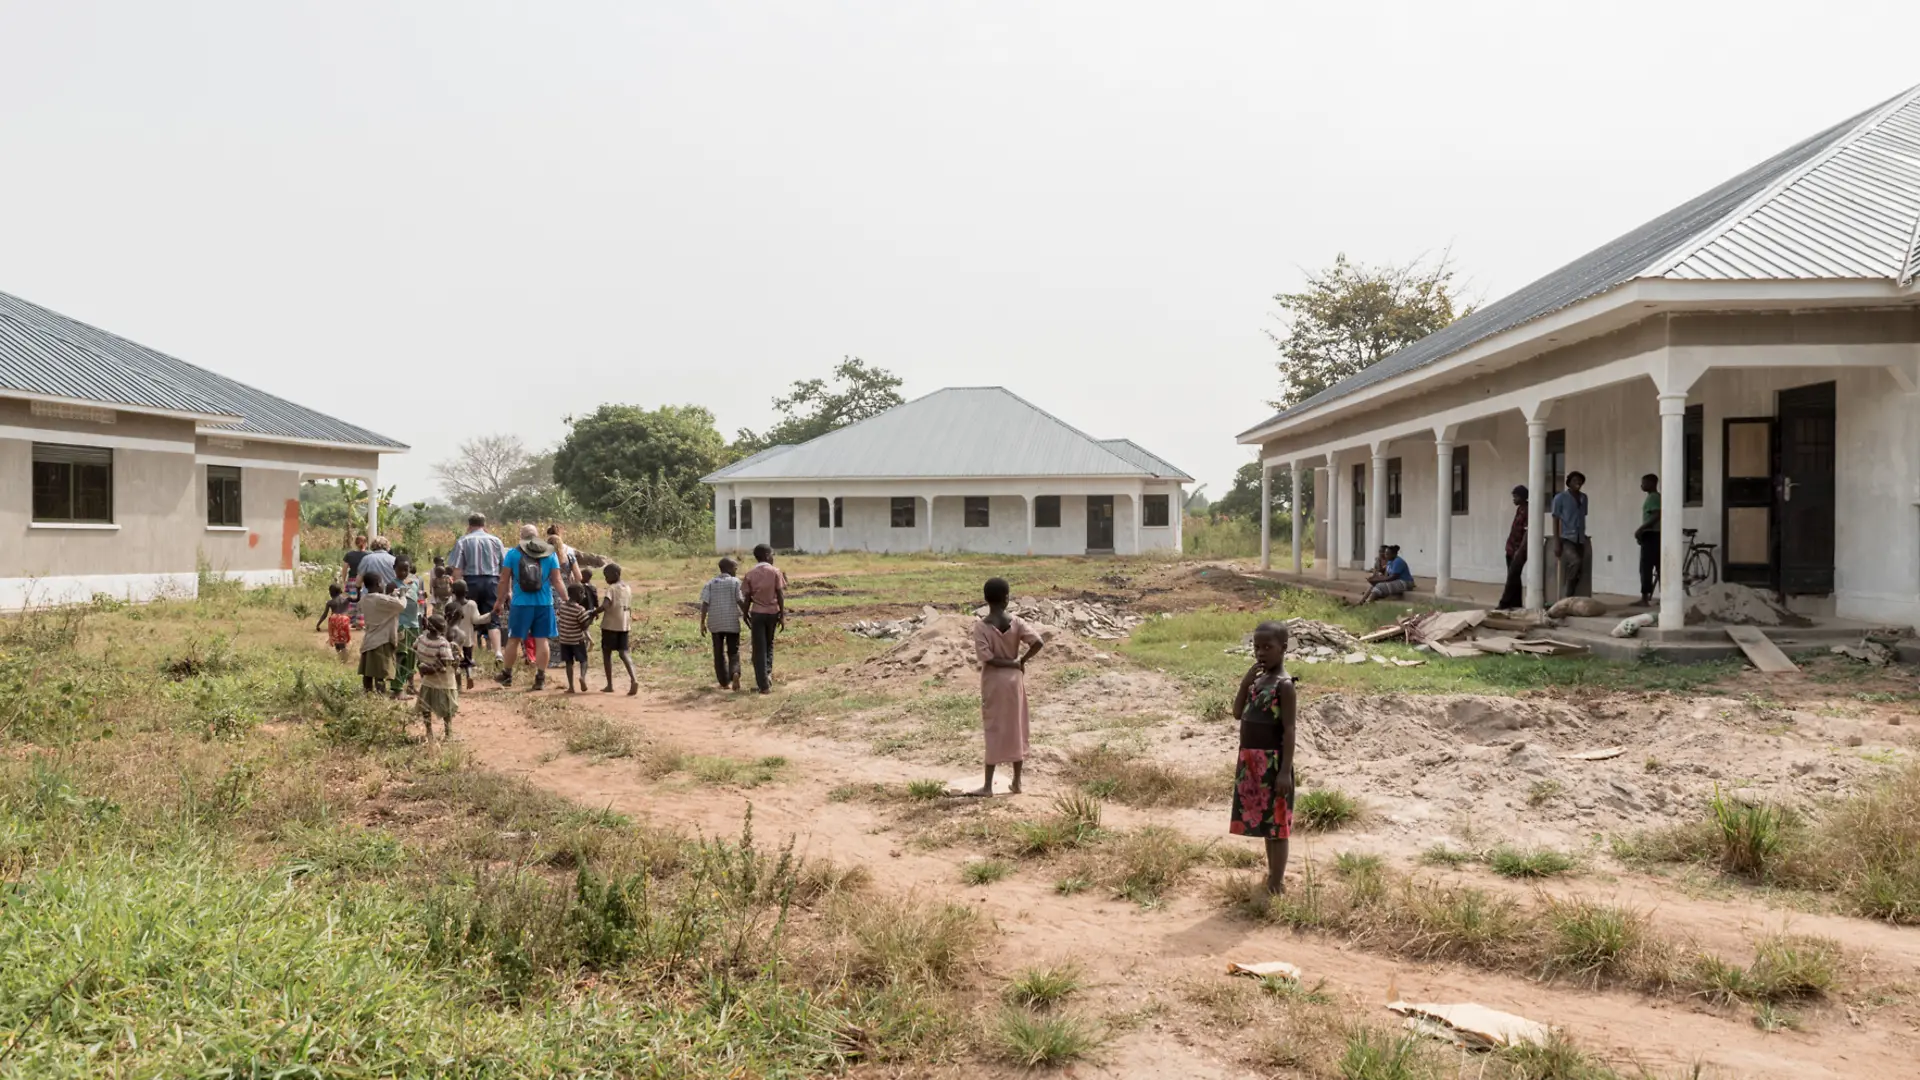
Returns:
(1392, 580)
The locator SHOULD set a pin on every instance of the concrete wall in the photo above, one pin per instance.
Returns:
(866, 523)
(268, 538)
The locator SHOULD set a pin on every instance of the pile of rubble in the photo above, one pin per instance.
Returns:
(1085, 618)
(891, 629)
(1310, 641)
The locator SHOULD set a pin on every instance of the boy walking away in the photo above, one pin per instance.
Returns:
(381, 611)
(720, 603)
(1003, 683)
(412, 592)
(463, 631)
(1263, 774)
(1648, 534)
(573, 617)
(765, 590)
(616, 624)
(338, 622)
(1569, 509)
(439, 677)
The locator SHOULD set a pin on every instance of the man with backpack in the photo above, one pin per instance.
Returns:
(530, 574)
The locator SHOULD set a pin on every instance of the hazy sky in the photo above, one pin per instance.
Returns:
(447, 219)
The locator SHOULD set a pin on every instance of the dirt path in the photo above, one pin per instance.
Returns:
(1140, 959)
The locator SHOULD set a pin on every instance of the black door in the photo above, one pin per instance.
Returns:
(1360, 516)
(1747, 521)
(1099, 523)
(780, 524)
(1806, 489)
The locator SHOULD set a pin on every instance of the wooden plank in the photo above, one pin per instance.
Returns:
(1384, 633)
(1765, 654)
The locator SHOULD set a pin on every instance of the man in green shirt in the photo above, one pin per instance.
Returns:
(1648, 534)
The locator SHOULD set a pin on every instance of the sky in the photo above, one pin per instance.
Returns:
(447, 219)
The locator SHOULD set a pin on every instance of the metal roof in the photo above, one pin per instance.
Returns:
(723, 473)
(1844, 203)
(969, 431)
(1145, 459)
(45, 352)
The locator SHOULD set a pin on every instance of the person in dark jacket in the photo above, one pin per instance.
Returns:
(1510, 597)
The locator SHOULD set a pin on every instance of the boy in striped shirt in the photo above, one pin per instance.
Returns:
(720, 603)
(573, 617)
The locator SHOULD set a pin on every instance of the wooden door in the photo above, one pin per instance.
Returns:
(1747, 521)
(1360, 517)
(1805, 486)
(780, 524)
(1099, 523)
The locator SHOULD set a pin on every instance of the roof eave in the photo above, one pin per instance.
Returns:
(918, 479)
(292, 440)
(1656, 294)
(119, 406)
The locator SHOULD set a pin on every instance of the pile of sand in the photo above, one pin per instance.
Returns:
(941, 648)
(1738, 605)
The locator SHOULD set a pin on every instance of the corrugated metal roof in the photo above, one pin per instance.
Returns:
(728, 470)
(1841, 204)
(1145, 459)
(39, 347)
(973, 431)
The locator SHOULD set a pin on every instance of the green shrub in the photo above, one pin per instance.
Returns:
(1529, 862)
(1325, 809)
(1043, 988)
(1031, 1041)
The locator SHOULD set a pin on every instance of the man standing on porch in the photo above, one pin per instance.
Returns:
(1510, 597)
(1648, 534)
(1569, 510)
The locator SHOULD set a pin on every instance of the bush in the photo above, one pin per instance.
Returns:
(1043, 988)
(1750, 834)
(1529, 862)
(1324, 809)
(1031, 1041)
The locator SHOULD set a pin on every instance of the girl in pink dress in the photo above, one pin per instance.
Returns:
(1003, 683)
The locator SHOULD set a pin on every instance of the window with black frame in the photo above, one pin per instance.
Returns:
(1046, 511)
(72, 485)
(223, 496)
(1157, 513)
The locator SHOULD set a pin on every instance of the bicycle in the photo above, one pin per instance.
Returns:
(1701, 568)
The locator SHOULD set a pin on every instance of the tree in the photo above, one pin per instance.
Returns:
(487, 472)
(651, 507)
(674, 444)
(1351, 316)
(1243, 500)
(812, 408)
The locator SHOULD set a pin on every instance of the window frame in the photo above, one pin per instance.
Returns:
(1460, 482)
(1165, 503)
(1395, 484)
(746, 513)
(218, 477)
(908, 503)
(976, 505)
(1693, 479)
(834, 519)
(72, 457)
(1041, 504)
(1556, 454)
(733, 514)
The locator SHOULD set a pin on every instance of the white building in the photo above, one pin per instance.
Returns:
(962, 469)
(1758, 348)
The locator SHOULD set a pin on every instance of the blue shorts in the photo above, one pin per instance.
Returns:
(532, 621)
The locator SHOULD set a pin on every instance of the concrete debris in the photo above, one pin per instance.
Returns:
(1306, 637)
(1869, 651)
(1576, 607)
(1738, 605)
(887, 629)
(1633, 624)
(1086, 618)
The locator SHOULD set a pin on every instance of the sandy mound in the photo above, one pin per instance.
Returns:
(1738, 605)
(941, 647)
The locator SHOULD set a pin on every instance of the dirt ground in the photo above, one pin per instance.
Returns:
(1466, 770)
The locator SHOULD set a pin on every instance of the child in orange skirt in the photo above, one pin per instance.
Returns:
(338, 621)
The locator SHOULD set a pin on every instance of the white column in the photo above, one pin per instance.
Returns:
(373, 506)
(1030, 501)
(1377, 497)
(1299, 538)
(929, 522)
(1177, 508)
(1533, 579)
(833, 505)
(1139, 514)
(1266, 517)
(1332, 553)
(1443, 516)
(733, 496)
(1673, 548)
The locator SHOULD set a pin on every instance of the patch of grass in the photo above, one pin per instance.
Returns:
(1542, 792)
(1072, 885)
(1515, 862)
(1372, 1054)
(592, 733)
(1107, 772)
(1238, 856)
(715, 769)
(1144, 864)
(926, 790)
(907, 940)
(1442, 855)
(1792, 967)
(1325, 809)
(1596, 943)
(1750, 834)
(984, 871)
(1043, 988)
(1043, 1041)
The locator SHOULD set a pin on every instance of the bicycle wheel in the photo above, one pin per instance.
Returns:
(1700, 571)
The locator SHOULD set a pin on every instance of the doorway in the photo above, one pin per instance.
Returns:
(1806, 489)
(780, 524)
(1100, 523)
(1360, 516)
(1747, 519)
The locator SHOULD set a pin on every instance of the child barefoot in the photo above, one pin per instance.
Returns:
(381, 611)
(463, 627)
(616, 624)
(438, 664)
(1263, 777)
(1003, 683)
(573, 617)
(338, 622)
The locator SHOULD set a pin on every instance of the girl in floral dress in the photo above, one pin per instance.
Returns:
(1263, 778)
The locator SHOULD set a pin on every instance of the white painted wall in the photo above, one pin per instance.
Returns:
(866, 518)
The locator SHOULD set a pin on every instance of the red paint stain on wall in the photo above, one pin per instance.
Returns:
(253, 540)
(289, 533)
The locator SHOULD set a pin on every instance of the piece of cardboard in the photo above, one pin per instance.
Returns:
(1764, 654)
(1476, 1025)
